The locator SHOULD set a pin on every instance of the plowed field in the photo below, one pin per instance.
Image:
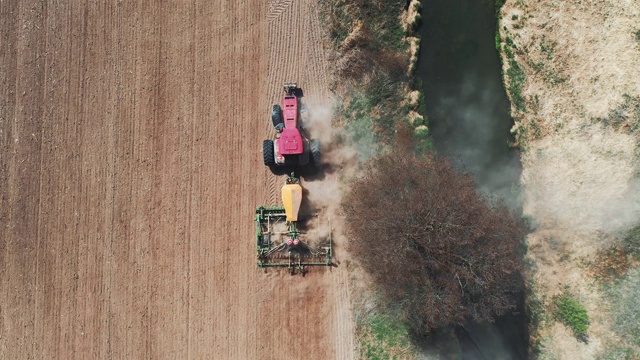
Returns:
(130, 165)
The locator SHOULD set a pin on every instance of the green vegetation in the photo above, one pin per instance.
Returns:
(536, 312)
(375, 63)
(498, 6)
(360, 126)
(371, 114)
(638, 36)
(417, 21)
(422, 104)
(569, 312)
(385, 337)
(375, 86)
(516, 76)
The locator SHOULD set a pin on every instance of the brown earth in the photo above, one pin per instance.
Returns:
(130, 137)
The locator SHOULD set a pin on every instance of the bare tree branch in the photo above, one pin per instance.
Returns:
(431, 243)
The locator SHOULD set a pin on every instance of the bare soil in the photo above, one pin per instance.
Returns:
(130, 166)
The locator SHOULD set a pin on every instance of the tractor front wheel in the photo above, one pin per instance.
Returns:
(315, 152)
(267, 152)
(276, 115)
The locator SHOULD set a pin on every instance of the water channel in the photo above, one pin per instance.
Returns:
(469, 120)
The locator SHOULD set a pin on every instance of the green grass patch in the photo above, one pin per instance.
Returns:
(377, 105)
(385, 337)
(360, 126)
(516, 80)
(569, 312)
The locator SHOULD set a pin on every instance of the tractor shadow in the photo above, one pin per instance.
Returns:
(282, 170)
(307, 209)
(308, 173)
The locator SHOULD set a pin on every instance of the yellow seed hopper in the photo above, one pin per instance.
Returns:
(291, 199)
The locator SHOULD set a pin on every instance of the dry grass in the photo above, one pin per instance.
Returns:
(578, 127)
(585, 53)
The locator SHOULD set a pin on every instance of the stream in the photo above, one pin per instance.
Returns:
(469, 120)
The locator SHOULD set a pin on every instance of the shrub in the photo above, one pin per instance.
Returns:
(569, 312)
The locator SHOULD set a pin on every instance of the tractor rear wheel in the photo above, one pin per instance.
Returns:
(276, 115)
(315, 152)
(267, 152)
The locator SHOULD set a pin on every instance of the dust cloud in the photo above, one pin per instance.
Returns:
(586, 181)
(471, 125)
(327, 187)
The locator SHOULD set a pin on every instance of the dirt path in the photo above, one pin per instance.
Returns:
(130, 163)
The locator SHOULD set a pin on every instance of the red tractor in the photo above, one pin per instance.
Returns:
(291, 147)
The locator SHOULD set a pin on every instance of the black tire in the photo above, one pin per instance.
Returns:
(276, 115)
(315, 152)
(267, 153)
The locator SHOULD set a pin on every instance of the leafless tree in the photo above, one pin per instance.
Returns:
(434, 246)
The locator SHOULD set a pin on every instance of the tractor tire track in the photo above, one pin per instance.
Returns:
(277, 7)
